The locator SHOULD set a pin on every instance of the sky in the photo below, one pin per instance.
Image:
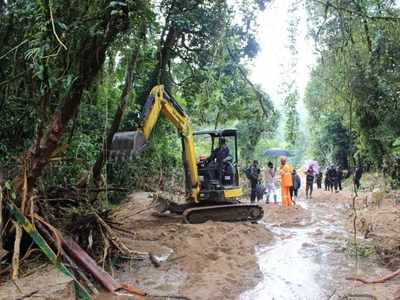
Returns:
(269, 66)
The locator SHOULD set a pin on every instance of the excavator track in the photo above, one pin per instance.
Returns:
(224, 213)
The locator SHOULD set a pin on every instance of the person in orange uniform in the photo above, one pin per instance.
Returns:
(286, 181)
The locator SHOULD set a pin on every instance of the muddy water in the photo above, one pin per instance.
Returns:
(310, 261)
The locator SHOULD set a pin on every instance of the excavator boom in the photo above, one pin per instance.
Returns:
(128, 145)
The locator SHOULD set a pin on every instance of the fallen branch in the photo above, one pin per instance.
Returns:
(122, 230)
(168, 297)
(379, 280)
(351, 296)
(28, 295)
(17, 247)
(77, 271)
(106, 247)
(175, 258)
(133, 290)
(55, 237)
(116, 241)
(82, 259)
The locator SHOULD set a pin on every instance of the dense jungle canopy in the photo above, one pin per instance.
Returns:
(74, 72)
(353, 95)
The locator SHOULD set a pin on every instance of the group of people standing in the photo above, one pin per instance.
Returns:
(333, 179)
(289, 180)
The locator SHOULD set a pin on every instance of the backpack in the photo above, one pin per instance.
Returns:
(247, 172)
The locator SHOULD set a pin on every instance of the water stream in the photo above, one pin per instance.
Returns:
(309, 261)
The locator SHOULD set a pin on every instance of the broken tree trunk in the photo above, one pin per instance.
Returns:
(85, 261)
(74, 267)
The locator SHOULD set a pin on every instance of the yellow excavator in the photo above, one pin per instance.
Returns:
(212, 188)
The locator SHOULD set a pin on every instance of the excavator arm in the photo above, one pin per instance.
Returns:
(126, 145)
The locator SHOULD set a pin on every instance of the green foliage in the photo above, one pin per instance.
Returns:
(360, 249)
(292, 118)
(357, 77)
(330, 141)
(206, 70)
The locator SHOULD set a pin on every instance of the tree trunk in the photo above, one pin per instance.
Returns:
(104, 154)
(160, 74)
(90, 60)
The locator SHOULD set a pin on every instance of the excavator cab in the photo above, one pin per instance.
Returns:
(219, 177)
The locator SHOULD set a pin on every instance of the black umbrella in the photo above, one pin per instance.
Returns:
(275, 152)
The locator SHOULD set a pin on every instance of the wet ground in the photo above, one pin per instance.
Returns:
(310, 259)
(213, 260)
(301, 252)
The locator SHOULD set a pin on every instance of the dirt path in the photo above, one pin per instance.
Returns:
(310, 259)
(303, 252)
(202, 261)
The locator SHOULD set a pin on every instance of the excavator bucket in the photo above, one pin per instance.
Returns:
(127, 145)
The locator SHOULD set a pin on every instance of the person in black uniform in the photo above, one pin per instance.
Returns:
(318, 179)
(254, 179)
(332, 174)
(339, 177)
(357, 177)
(326, 180)
(218, 156)
(309, 182)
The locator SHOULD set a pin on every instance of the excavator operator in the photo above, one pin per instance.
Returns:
(220, 156)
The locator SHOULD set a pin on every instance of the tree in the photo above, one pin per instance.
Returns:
(63, 78)
(355, 75)
(292, 118)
